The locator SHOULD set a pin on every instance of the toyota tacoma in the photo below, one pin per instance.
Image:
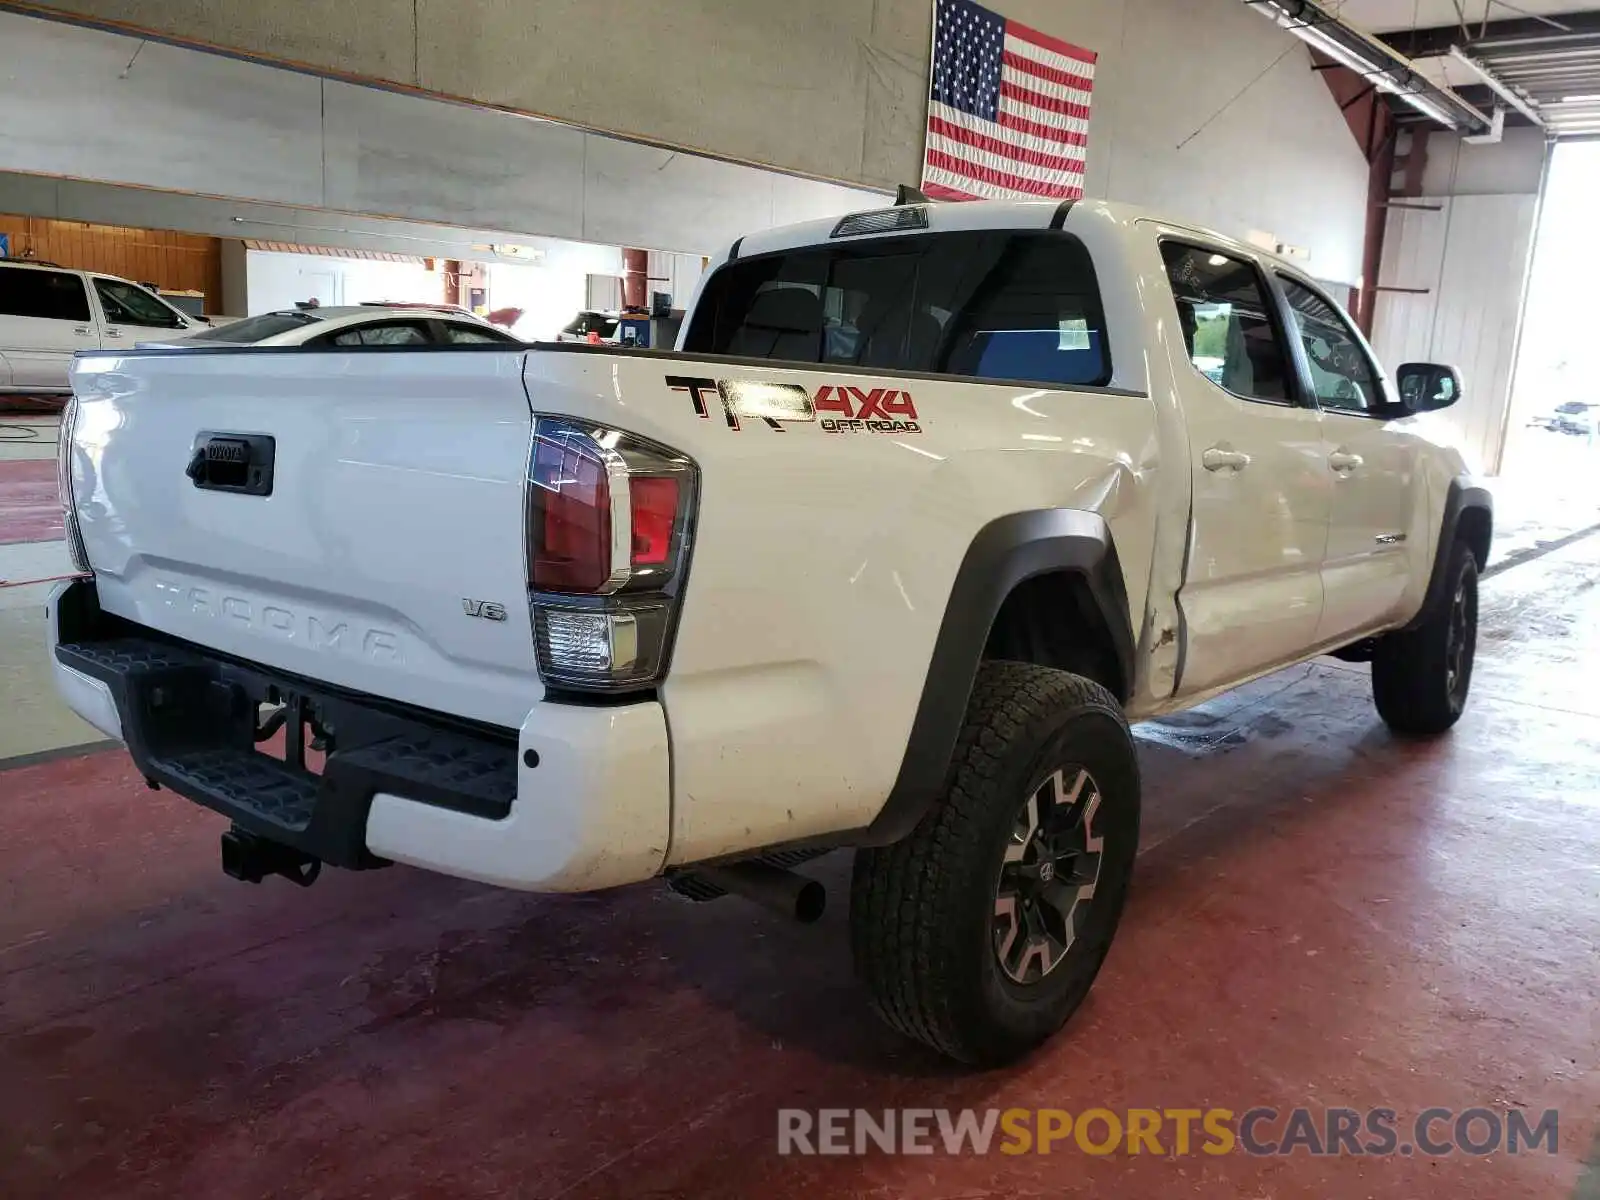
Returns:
(928, 504)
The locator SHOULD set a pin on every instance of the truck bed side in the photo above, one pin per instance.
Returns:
(824, 556)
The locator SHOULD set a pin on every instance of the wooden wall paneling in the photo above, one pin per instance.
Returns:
(175, 261)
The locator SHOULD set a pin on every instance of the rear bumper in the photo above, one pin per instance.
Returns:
(576, 799)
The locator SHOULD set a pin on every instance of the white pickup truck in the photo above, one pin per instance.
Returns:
(929, 503)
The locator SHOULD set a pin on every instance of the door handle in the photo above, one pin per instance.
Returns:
(1344, 462)
(83, 331)
(1217, 458)
(113, 333)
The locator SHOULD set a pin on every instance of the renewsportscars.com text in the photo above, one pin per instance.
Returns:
(1260, 1131)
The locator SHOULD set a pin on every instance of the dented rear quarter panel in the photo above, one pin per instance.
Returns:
(823, 561)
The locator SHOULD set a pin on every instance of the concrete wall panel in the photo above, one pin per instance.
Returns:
(1222, 121)
(775, 82)
(376, 38)
(832, 88)
(185, 121)
(193, 122)
(405, 156)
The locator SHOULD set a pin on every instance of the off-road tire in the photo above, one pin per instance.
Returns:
(922, 910)
(1420, 677)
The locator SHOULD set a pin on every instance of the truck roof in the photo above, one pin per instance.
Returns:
(937, 217)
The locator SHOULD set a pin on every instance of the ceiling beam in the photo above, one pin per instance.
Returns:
(1430, 43)
(1481, 97)
(1498, 86)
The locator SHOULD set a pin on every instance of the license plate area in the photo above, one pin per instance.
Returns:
(293, 728)
(214, 730)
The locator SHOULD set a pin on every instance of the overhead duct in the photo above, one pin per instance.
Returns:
(1497, 131)
(1379, 64)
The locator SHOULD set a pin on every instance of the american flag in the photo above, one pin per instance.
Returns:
(1008, 109)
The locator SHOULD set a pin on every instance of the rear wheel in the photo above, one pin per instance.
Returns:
(1420, 678)
(983, 929)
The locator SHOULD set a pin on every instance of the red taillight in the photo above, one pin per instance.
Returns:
(654, 505)
(609, 519)
(572, 550)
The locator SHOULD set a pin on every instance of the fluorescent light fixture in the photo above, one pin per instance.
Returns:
(1382, 67)
(1427, 108)
(1318, 40)
(1374, 73)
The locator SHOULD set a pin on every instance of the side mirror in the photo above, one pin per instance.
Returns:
(1428, 387)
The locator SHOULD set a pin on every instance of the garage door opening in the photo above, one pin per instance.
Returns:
(1553, 438)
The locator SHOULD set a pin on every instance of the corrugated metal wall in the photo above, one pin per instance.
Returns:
(1472, 255)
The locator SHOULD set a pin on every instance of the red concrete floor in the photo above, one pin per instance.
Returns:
(1323, 916)
(29, 508)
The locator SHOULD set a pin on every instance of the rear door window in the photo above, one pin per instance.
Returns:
(49, 295)
(394, 333)
(1226, 317)
(984, 305)
(461, 334)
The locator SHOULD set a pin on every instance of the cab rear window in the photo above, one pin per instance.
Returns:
(981, 304)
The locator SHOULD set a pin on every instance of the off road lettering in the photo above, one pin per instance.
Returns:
(852, 409)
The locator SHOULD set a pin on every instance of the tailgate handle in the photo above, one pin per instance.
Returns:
(233, 462)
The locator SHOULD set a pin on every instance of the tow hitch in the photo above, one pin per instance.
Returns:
(251, 859)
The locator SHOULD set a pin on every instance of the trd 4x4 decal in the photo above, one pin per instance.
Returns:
(838, 408)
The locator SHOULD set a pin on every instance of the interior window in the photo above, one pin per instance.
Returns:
(986, 305)
(1341, 372)
(51, 295)
(1227, 323)
(395, 334)
(472, 335)
(127, 304)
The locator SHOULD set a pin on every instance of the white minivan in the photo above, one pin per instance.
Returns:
(48, 313)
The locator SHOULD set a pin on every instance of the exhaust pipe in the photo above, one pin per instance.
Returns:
(784, 892)
(251, 859)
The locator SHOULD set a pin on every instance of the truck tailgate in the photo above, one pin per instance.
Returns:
(393, 528)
